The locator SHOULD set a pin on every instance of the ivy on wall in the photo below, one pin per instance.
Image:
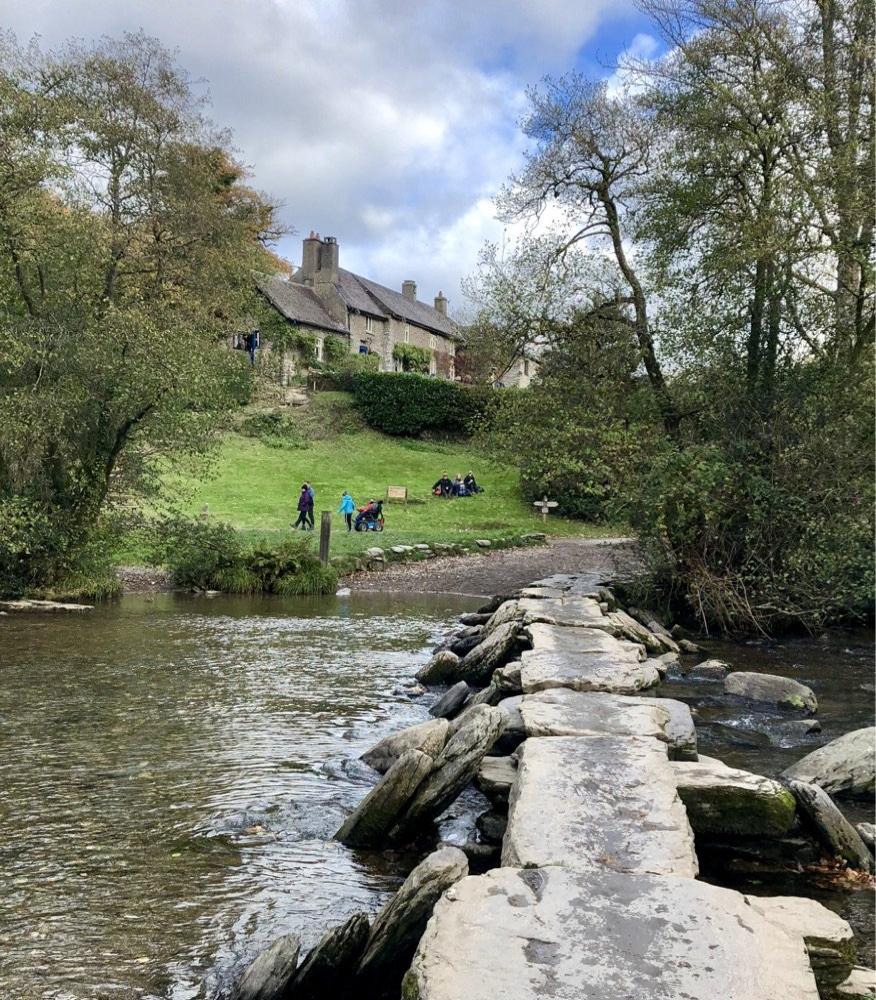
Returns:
(413, 359)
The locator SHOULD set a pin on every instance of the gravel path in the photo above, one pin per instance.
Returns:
(502, 571)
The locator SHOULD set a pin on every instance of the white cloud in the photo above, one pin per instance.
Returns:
(386, 123)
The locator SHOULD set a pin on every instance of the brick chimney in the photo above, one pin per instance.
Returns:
(409, 290)
(441, 304)
(328, 261)
(310, 257)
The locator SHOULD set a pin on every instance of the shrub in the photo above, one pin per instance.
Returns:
(340, 372)
(406, 404)
(274, 428)
(212, 556)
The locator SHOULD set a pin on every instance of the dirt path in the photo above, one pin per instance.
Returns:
(502, 571)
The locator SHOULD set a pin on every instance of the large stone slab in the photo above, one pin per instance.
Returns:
(845, 766)
(595, 803)
(563, 712)
(552, 932)
(724, 801)
(583, 659)
(572, 611)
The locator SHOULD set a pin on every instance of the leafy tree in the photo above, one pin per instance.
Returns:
(127, 242)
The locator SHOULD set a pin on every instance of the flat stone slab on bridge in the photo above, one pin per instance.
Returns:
(562, 712)
(583, 659)
(552, 932)
(596, 803)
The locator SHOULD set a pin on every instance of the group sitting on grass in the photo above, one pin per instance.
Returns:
(458, 487)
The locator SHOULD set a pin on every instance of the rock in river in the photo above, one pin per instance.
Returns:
(400, 924)
(429, 737)
(782, 691)
(846, 766)
(495, 651)
(724, 801)
(453, 769)
(269, 975)
(833, 829)
(369, 822)
(451, 701)
(443, 667)
(326, 969)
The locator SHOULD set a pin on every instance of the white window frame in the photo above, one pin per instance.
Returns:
(369, 324)
(407, 334)
(320, 348)
(433, 341)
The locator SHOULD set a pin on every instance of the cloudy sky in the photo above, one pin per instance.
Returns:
(389, 124)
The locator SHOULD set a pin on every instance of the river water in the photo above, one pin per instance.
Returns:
(172, 770)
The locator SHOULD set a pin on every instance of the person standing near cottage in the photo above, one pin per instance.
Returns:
(305, 508)
(347, 506)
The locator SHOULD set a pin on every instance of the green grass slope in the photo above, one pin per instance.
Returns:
(255, 483)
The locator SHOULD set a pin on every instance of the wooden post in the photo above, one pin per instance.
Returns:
(325, 533)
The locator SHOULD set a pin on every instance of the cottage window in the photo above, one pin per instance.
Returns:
(319, 348)
(363, 346)
(433, 366)
(452, 350)
(369, 324)
(407, 334)
(433, 341)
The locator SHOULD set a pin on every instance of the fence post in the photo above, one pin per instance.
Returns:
(325, 532)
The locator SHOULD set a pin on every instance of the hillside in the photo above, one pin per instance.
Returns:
(256, 479)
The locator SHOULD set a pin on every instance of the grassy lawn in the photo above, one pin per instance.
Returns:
(254, 485)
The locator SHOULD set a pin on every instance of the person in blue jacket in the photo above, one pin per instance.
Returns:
(348, 505)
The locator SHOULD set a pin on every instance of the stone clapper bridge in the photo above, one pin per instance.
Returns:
(596, 896)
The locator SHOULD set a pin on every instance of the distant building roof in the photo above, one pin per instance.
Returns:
(297, 303)
(415, 311)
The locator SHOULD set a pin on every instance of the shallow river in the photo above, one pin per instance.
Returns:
(172, 770)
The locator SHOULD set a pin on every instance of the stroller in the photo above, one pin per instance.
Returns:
(370, 520)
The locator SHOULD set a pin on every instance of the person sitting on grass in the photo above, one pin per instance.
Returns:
(471, 486)
(347, 506)
(444, 486)
(457, 489)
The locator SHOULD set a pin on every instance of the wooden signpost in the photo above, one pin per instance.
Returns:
(544, 505)
(325, 532)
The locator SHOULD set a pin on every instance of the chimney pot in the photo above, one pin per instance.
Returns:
(409, 290)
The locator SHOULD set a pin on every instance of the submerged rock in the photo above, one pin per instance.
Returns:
(491, 826)
(269, 975)
(845, 766)
(371, 820)
(833, 829)
(722, 800)
(782, 691)
(400, 924)
(327, 969)
(429, 737)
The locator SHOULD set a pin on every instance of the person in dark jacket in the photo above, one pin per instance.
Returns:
(444, 486)
(470, 483)
(309, 489)
(305, 509)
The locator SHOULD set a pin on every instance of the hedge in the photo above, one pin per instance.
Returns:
(405, 404)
